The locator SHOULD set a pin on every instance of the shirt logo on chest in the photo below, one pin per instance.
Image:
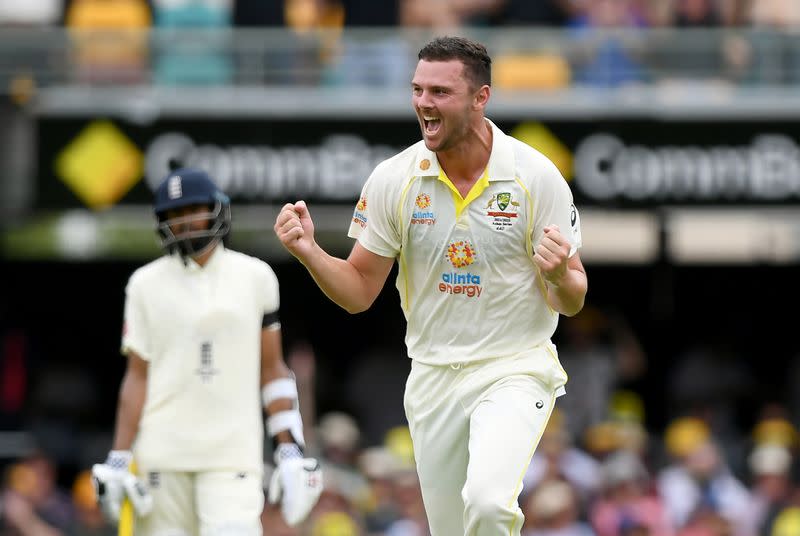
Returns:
(423, 216)
(206, 370)
(461, 254)
(502, 209)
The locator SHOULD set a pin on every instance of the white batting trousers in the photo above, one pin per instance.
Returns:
(474, 428)
(211, 503)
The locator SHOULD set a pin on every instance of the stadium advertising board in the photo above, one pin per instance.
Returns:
(630, 163)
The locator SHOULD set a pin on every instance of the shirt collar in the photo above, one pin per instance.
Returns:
(501, 160)
(191, 266)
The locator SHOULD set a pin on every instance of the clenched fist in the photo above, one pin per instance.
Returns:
(295, 229)
(551, 255)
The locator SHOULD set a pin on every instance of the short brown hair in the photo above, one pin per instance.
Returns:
(477, 63)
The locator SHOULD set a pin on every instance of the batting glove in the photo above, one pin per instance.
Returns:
(296, 483)
(113, 482)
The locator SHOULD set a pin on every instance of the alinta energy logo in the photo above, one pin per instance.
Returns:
(461, 254)
(422, 216)
(360, 216)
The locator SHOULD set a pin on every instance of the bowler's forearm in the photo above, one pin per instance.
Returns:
(567, 297)
(340, 281)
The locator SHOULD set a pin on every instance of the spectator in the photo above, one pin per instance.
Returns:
(606, 438)
(787, 523)
(110, 39)
(299, 55)
(626, 504)
(200, 57)
(448, 14)
(380, 467)
(338, 442)
(335, 524)
(552, 510)
(21, 519)
(698, 486)
(775, 13)
(732, 12)
(89, 519)
(707, 523)
(411, 519)
(334, 504)
(32, 503)
(408, 495)
(774, 427)
(770, 464)
(604, 57)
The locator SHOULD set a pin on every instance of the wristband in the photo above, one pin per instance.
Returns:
(287, 420)
(280, 388)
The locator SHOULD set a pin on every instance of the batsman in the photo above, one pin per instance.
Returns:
(202, 339)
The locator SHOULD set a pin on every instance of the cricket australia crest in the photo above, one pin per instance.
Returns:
(502, 209)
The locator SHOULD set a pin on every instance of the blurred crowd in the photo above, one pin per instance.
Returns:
(304, 14)
(598, 43)
(601, 467)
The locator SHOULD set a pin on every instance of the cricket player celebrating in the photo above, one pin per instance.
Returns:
(486, 236)
(203, 344)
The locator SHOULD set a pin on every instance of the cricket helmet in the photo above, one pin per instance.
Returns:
(187, 187)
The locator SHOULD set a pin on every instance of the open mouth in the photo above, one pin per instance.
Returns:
(431, 124)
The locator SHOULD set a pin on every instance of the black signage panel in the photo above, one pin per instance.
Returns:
(613, 163)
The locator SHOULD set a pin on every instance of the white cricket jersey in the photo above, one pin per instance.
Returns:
(468, 285)
(199, 329)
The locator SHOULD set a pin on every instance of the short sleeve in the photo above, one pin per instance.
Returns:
(374, 221)
(134, 325)
(555, 206)
(269, 289)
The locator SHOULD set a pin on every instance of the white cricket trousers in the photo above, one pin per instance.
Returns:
(474, 428)
(211, 503)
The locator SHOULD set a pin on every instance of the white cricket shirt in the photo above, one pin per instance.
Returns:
(468, 285)
(200, 331)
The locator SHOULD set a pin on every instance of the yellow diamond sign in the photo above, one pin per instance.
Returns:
(100, 165)
(540, 138)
